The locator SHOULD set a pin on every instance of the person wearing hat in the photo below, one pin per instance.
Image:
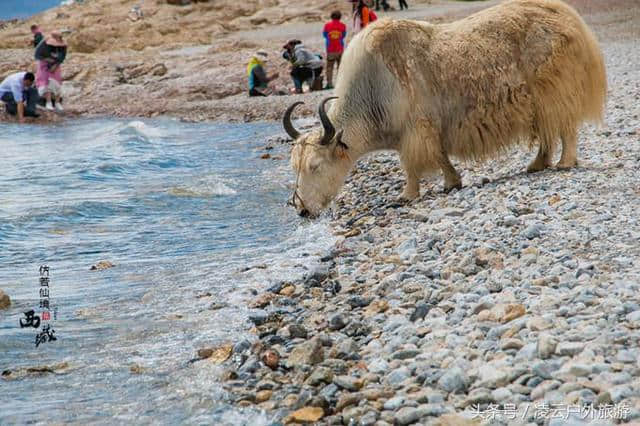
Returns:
(50, 54)
(305, 65)
(258, 79)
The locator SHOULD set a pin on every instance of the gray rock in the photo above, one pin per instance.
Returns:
(533, 231)
(347, 349)
(405, 354)
(501, 394)
(359, 301)
(307, 353)
(580, 370)
(546, 346)
(337, 322)
(628, 356)
(620, 392)
(398, 375)
(421, 311)
(369, 419)
(329, 391)
(320, 375)
(569, 348)
(407, 415)
(297, 331)
(492, 378)
(454, 380)
(542, 369)
(394, 403)
(258, 316)
(378, 366)
(347, 382)
(633, 316)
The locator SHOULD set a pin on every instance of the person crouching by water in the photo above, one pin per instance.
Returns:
(334, 33)
(305, 66)
(50, 54)
(19, 95)
(258, 79)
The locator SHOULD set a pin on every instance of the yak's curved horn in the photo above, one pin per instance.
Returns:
(286, 121)
(329, 130)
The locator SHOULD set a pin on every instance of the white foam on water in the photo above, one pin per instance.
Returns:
(144, 129)
(207, 186)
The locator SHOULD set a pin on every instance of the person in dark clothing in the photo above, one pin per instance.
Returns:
(403, 4)
(258, 79)
(385, 6)
(305, 65)
(19, 95)
(37, 35)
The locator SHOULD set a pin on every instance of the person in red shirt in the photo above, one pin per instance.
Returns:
(334, 33)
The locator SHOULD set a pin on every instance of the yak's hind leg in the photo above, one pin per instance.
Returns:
(451, 177)
(569, 157)
(543, 159)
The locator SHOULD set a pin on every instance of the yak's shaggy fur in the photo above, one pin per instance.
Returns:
(522, 71)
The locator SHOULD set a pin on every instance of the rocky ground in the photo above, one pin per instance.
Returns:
(512, 301)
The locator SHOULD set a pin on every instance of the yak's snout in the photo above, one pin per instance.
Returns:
(304, 213)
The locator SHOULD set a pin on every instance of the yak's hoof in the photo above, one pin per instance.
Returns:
(407, 197)
(566, 165)
(537, 167)
(449, 188)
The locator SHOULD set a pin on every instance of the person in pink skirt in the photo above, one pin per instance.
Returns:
(50, 54)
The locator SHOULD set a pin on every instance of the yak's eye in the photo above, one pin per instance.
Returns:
(313, 167)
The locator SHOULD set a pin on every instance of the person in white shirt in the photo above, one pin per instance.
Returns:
(19, 95)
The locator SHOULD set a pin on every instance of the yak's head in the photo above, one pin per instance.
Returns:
(320, 161)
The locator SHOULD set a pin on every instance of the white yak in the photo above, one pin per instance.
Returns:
(522, 71)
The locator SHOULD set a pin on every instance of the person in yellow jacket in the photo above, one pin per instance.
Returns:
(258, 79)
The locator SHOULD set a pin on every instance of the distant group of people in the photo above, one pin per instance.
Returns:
(306, 66)
(23, 92)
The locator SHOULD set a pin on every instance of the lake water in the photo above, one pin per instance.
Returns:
(182, 210)
(10, 9)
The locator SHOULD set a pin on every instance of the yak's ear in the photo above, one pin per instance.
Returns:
(340, 149)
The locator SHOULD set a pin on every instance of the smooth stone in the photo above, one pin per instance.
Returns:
(378, 366)
(501, 394)
(405, 354)
(398, 375)
(307, 353)
(569, 348)
(546, 346)
(337, 322)
(349, 383)
(454, 380)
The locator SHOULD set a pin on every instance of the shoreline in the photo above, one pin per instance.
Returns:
(196, 82)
